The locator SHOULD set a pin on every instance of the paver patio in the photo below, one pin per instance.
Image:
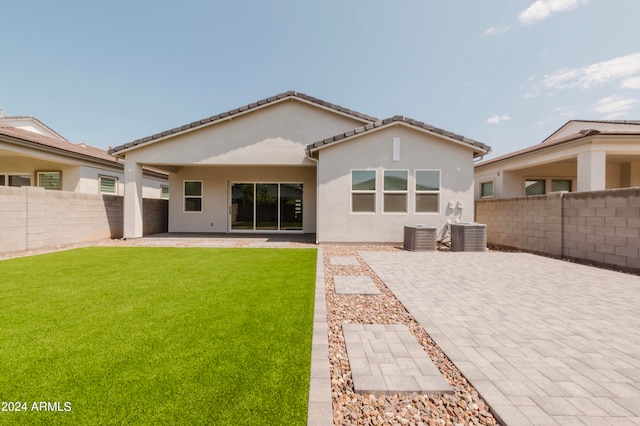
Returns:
(544, 341)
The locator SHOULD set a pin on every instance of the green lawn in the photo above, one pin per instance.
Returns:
(157, 336)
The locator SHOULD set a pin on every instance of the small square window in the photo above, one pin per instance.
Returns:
(486, 189)
(50, 180)
(164, 192)
(108, 185)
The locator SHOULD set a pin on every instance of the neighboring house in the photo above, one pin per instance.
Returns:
(31, 154)
(31, 124)
(582, 155)
(294, 163)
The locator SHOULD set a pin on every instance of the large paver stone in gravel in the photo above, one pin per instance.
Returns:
(387, 359)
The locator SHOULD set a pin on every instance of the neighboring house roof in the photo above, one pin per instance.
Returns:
(602, 125)
(550, 143)
(80, 151)
(241, 110)
(46, 143)
(479, 147)
(19, 118)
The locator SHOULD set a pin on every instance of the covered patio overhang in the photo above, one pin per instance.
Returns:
(591, 163)
(230, 198)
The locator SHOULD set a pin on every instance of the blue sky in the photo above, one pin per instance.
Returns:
(507, 73)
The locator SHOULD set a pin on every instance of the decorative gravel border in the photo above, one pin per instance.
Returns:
(463, 407)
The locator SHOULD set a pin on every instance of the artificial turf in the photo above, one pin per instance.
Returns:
(124, 335)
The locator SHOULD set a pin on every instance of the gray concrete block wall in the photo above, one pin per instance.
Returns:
(524, 223)
(602, 227)
(32, 218)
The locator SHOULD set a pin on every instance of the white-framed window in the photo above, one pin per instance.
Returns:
(164, 192)
(427, 191)
(396, 188)
(363, 191)
(108, 185)
(193, 196)
(50, 180)
(15, 179)
(535, 186)
(486, 189)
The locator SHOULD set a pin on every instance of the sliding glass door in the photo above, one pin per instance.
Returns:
(266, 207)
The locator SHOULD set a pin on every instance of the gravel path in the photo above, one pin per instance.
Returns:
(464, 407)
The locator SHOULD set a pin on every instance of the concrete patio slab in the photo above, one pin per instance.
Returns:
(387, 359)
(355, 284)
(542, 340)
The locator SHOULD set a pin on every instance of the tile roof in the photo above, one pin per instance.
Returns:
(555, 142)
(30, 118)
(596, 122)
(397, 119)
(242, 109)
(63, 147)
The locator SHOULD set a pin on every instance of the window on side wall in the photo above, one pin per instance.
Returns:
(486, 189)
(561, 185)
(363, 191)
(395, 191)
(108, 185)
(50, 180)
(164, 192)
(535, 187)
(192, 195)
(427, 191)
(16, 180)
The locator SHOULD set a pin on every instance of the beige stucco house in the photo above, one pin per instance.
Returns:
(294, 163)
(32, 154)
(582, 155)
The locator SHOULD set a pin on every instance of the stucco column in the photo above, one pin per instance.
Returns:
(592, 167)
(132, 199)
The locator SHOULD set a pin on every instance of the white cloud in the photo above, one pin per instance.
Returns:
(495, 30)
(497, 119)
(625, 68)
(541, 9)
(613, 106)
(631, 83)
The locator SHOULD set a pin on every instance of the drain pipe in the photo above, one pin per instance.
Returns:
(562, 224)
(315, 160)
